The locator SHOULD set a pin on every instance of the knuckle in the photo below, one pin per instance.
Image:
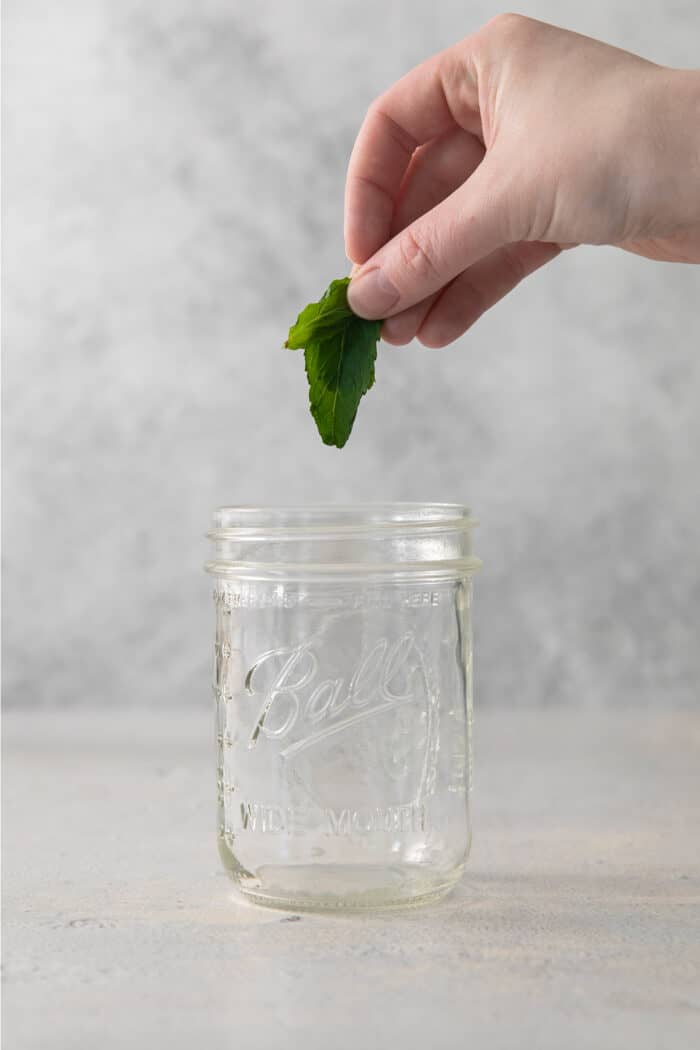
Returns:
(378, 113)
(418, 255)
(369, 181)
(509, 30)
(375, 110)
(507, 23)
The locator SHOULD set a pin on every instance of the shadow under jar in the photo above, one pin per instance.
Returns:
(343, 691)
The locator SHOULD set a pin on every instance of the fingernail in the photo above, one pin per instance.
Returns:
(372, 294)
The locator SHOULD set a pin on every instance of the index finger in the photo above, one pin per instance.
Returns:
(413, 111)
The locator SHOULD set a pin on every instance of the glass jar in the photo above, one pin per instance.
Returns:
(343, 690)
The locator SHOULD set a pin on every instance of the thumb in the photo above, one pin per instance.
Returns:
(425, 256)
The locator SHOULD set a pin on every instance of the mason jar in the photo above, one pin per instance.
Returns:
(343, 693)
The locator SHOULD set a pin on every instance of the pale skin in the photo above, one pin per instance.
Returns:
(486, 161)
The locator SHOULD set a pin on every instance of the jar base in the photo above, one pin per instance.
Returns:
(341, 887)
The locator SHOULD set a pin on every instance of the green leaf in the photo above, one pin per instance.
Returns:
(340, 349)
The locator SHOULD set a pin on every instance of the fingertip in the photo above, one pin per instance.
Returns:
(360, 246)
(395, 333)
(350, 244)
(352, 252)
(434, 337)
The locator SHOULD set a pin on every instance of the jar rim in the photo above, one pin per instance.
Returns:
(298, 521)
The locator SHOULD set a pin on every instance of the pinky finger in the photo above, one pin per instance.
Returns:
(479, 288)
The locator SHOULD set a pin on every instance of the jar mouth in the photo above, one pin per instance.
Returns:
(364, 538)
(361, 519)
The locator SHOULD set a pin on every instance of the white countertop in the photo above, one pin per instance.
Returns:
(577, 924)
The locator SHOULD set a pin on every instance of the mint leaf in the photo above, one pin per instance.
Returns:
(340, 349)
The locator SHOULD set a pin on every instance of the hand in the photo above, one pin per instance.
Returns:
(481, 164)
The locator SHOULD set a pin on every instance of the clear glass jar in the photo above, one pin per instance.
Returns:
(343, 692)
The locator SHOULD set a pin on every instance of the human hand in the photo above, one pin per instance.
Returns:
(481, 164)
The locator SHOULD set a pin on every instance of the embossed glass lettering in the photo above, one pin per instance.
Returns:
(284, 688)
(295, 698)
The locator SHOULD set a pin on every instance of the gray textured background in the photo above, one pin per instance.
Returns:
(173, 195)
